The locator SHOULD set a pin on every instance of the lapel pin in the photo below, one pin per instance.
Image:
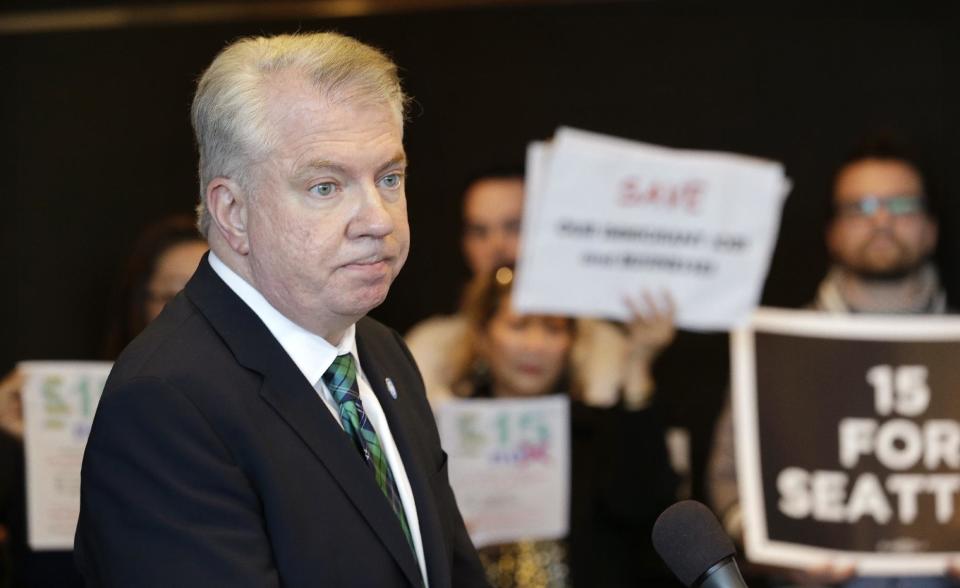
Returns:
(391, 388)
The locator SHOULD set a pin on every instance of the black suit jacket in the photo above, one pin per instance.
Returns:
(213, 462)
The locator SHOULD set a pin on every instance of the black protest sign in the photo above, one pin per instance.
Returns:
(852, 438)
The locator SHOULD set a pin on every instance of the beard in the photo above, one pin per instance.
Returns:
(903, 264)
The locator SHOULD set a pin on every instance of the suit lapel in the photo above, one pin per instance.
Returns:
(400, 418)
(295, 400)
(333, 447)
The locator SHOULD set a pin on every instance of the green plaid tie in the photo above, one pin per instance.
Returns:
(341, 380)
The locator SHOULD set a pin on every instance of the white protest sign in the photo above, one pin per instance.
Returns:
(509, 466)
(848, 440)
(607, 218)
(59, 401)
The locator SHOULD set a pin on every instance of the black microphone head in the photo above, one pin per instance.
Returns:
(690, 540)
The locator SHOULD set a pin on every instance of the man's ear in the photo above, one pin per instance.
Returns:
(227, 203)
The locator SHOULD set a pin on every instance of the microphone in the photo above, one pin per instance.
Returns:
(690, 540)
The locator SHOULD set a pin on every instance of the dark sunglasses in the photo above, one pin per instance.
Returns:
(894, 205)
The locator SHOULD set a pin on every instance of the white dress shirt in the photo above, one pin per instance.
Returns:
(314, 355)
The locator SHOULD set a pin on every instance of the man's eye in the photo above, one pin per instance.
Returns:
(391, 180)
(476, 231)
(323, 189)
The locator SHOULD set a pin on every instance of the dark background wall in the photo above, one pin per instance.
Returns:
(96, 142)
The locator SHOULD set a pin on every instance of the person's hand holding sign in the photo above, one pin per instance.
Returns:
(650, 330)
(953, 568)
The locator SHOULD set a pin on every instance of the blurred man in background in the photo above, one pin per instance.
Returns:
(881, 239)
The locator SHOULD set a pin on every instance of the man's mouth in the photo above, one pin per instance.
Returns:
(370, 260)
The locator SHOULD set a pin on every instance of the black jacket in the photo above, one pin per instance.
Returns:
(213, 462)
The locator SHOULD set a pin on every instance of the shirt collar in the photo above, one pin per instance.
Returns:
(932, 299)
(310, 352)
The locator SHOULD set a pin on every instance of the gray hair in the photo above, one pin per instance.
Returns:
(228, 111)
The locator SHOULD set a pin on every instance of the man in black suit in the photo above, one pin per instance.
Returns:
(262, 432)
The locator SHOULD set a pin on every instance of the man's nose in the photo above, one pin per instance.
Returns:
(881, 216)
(500, 245)
(495, 239)
(372, 219)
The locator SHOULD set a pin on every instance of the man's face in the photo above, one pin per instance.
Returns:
(880, 229)
(327, 220)
(492, 210)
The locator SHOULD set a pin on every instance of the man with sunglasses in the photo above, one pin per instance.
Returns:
(880, 238)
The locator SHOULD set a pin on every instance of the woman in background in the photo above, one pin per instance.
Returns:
(164, 257)
(621, 477)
